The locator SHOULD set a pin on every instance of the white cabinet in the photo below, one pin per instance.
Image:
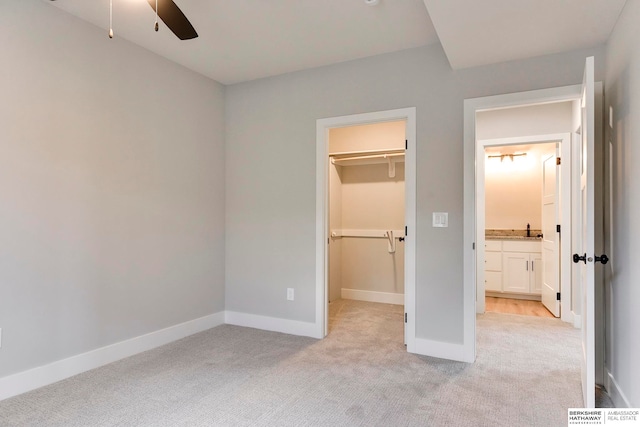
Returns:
(536, 273)
(493, 266)
(513, 266)
(522, 272)
(516, 272)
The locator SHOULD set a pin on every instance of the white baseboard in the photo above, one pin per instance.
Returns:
(615, 392)
(528, 297)
(286, 326)
(568, 316)
(577, 321)
(441, 350)
(25, 381)
(372, 296)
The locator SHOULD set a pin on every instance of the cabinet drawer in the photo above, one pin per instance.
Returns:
(493, 261)
(522, 246)
(493, 245)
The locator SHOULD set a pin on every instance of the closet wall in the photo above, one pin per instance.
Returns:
(364, 197)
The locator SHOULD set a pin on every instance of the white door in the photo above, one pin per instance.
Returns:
(584, 254)
(550, 241)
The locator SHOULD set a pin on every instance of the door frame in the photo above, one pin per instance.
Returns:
(471, 107)
(322, 215)
(564, 139)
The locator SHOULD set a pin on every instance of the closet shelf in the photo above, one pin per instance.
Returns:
(370, 157)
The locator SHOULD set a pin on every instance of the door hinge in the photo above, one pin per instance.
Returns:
(558, 161)
(406, 144)
(558, 296)
(405, 318)
(473, 246)
(558, 228)
(406, 231)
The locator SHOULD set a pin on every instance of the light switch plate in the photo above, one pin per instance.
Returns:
(440, 219)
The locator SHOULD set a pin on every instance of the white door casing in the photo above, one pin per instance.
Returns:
(550, 239)
(473, 171)
(322, 193)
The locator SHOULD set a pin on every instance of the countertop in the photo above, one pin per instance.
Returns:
(511, 234)
(512, 238)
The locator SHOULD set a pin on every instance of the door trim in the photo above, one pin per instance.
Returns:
(471, 107)
(322, 194)
(564, 139)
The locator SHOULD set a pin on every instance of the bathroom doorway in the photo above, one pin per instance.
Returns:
(510, 264)
(535, 141)
(522, 214)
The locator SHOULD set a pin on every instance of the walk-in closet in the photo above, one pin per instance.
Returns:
(367, 212)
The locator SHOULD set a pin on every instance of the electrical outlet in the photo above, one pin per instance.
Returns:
(289, 294)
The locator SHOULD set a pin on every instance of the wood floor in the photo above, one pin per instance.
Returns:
(516, 306)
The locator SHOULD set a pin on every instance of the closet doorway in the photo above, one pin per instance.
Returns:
(366, 212)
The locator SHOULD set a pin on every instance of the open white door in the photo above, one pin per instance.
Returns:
(585, 243)
(550, 242)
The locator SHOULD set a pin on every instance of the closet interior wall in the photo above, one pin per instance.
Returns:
(366, 199)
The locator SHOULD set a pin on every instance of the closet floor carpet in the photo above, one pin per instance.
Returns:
(527, 372)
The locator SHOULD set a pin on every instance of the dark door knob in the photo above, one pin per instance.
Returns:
(603, 259)
(577, 258)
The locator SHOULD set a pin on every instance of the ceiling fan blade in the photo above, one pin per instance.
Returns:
(177, 22)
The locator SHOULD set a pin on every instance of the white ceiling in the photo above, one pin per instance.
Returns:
(480, 32)
(242, 40)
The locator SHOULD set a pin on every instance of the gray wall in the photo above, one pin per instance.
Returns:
(270, 164)
(622, 92)
(529, 120)
(111, 189)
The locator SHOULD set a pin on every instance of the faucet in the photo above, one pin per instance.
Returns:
(528, 230)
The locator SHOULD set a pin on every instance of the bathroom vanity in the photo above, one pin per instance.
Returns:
(513, 266)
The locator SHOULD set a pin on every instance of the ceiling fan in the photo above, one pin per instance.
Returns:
(173, 17)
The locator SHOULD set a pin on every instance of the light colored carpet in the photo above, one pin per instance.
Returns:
(526, 374)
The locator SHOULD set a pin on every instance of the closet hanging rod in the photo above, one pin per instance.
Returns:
(368, 157)
(372, 233)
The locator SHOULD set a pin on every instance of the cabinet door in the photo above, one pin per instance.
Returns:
(536, 273)
(493, 281)
(515, 272)
(493, 261)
